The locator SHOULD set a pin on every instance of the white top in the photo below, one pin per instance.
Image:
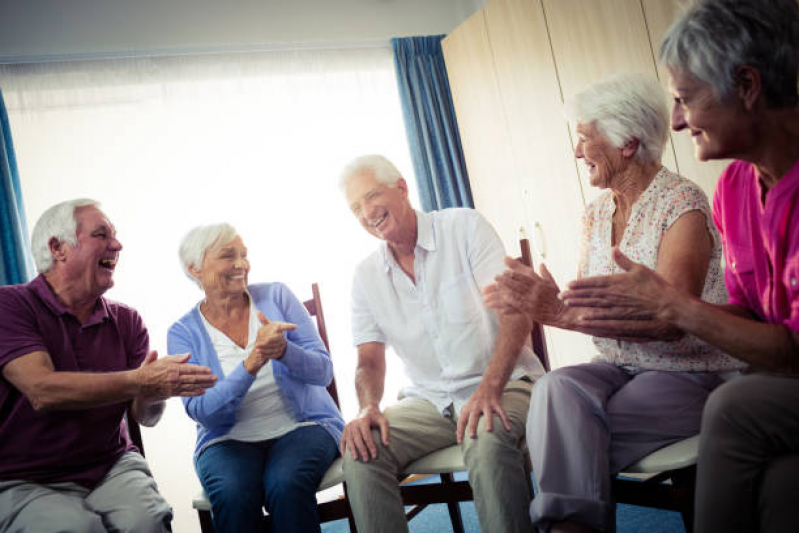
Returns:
(667, 198)
(263, 413)
(439, 327)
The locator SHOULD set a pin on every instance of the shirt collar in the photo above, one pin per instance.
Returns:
(43, 290)
(425, 239)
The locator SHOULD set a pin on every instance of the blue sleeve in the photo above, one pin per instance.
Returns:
(217, 407)
(306, 358)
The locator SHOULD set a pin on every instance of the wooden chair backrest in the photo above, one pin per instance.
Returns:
(537, 334)
(314, 307)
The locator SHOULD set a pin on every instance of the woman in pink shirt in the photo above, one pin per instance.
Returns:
(733, 75)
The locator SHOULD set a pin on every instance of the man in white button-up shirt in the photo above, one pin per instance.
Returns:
(471, 372)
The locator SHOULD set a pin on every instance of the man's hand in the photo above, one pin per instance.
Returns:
(486, 401)
(269, 344)
(159, 379)
(357, 436)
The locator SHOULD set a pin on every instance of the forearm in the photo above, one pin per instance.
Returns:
(57, 391)
(624, 330)
(147, 412)
(767, 346)
(514, 330)
(369, 382)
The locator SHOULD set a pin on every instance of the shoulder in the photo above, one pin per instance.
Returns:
(675, 187)
(188, 322)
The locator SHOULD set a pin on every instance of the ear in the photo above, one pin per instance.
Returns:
(403, 186)
(630, 148)
(748, 86)
(57, 249)
(194, 272)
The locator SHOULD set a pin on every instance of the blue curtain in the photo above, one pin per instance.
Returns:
(430, 123)
(16, 265)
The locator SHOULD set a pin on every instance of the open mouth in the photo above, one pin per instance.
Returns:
(108, 264)
(377, 222)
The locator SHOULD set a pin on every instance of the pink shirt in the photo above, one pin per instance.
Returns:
(761, 242)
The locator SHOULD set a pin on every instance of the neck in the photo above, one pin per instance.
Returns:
(76, 300)
(629, 184)
(404, 244)
(225, 307)
(777, 148)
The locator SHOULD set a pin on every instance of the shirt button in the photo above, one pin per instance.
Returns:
(793, 282)
(733, 265)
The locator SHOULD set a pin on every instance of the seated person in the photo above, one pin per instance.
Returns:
(587, 422)
(269, 430)
(733, 66)
(72, 364)
(470, 371)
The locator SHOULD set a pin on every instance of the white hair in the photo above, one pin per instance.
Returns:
(198, 241)
(712, 40)
(624, 107)
(57, 222)
(379, 166)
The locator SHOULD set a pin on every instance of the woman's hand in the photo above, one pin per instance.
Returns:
(520, 290)
(269, 344)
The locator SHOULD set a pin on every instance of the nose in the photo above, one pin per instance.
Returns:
(678, 118)
(115, 244)
(578, 150)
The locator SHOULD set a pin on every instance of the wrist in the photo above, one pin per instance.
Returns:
(672, 306)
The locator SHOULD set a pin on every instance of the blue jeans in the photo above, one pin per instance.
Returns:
(280, 475)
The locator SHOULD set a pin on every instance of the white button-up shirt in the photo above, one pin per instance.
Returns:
(439, 327)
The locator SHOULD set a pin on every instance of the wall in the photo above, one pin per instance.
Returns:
(33, 30)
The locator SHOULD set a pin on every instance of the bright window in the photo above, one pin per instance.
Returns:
(254, 139)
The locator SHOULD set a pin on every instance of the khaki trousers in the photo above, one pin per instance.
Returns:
(494, 462)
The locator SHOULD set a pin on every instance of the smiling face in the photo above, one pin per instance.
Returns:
(91, 263)
(224, 270)
(719, 129)
(382, 210)
(603, 159)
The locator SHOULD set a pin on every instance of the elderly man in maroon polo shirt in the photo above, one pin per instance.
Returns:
(72, 363)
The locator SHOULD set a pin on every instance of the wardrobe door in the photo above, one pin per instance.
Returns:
(483, 129)
(544, 164)
(659, 16)
(594, 39)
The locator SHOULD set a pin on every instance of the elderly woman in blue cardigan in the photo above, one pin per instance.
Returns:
(268, 430)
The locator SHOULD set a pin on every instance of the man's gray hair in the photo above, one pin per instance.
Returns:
(56, 222)
(198, 241)
(711, 40)
(624, 107)
(379, 166)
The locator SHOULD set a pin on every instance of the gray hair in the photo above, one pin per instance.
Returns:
(198, 241)
(713, 39)
(624, 107)
(379, 166)
(57, 222)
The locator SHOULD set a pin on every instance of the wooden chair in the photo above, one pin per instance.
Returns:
(330, 510)
(445, 462)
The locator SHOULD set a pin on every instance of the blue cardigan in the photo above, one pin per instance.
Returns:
(302, 373)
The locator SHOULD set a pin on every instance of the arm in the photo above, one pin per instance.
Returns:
(217, 407)
(35, 376)
(370, 378)
(486, 255)
(306, 358)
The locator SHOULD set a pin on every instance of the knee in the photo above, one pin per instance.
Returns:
(68, 519)
(491, 447)
(724, 406)
(358, 467)
(136, 520)
(228, 492)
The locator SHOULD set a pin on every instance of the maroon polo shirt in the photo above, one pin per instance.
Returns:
(77, 445)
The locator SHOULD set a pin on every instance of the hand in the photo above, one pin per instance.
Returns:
(357, 435)
(520, 290)
(637, 294)
(163, 378)
(269, 344)
(485, 401)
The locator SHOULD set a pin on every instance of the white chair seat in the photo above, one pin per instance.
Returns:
(332, 477)
(445, 460)
(678, 455)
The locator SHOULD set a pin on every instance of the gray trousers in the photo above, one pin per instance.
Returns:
(494, 461)
(748, 476)
(126, 500)
(587, 422)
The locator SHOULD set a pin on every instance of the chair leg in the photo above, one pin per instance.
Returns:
(350, 516)
(453, 507)
(206, 525)
(686, 480)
